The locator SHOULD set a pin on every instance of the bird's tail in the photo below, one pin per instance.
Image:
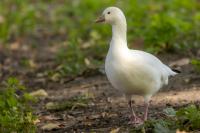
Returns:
(175, 71)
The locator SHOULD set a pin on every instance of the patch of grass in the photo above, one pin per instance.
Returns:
(196, 64)
(71, 59)
(189, 118)
(15, 112)
(75, 58)
(184, 119)
(80, 101)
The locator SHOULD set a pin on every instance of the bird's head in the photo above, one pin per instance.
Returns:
(111, 15)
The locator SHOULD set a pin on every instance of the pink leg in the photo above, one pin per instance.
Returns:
(134, 119)
(146, 111)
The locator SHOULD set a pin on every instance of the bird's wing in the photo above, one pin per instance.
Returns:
(153, 61)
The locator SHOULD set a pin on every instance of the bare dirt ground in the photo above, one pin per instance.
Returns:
(107, 109)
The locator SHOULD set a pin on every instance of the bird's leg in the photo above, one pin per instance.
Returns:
(131, 108)
(146, 110)
(134, 119)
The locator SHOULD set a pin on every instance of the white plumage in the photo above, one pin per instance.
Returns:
(131, 71)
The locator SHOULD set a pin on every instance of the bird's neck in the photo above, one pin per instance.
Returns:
(119, 40)
(119, 30)
(118, 45)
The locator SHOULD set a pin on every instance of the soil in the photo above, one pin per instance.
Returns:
(107, 109)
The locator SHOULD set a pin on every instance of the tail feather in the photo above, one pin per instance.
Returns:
(176, 71)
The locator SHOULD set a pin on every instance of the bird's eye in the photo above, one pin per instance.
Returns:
(108, 13)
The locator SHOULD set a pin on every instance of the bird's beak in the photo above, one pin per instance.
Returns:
(100, 19)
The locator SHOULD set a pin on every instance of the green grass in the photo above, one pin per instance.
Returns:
(196, 64)
(170, 25)
(183, 119)
(80, 101)
(15, 112)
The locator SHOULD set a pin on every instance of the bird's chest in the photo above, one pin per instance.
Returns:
(117, 74)
(115, 70)
(127, 77)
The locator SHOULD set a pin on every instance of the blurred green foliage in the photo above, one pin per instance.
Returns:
(15, 112)
(162, 25)
(196, 64)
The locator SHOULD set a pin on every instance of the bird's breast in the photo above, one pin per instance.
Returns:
(127, 77)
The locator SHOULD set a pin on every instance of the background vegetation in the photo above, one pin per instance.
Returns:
(159, 25)
(154, 25)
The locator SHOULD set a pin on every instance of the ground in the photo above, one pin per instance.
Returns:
(106, 109)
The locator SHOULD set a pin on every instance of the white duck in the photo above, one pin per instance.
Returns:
(131, 71)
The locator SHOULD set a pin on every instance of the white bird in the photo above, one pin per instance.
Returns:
(132, 71)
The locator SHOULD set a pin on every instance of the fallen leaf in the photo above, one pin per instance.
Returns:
(112, 115)
(50, 126)
(87, 123)
(49, 118)
(94, 35)
(70, 117)
(40, 75)
(87, 62)
(39, 93)
(2, 19)
(86, 45)
(32, 64)
(115, 130)
(15, 46)
(95, 116)
(178, 131)
(187, 80)
(76, 105)
(55, 77)
(104, 114)
(180, 62)
(36, 121)
(25, 47)
(51, 105)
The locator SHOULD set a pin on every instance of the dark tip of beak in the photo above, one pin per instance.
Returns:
(100, 19)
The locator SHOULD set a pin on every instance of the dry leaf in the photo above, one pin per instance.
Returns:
(78, 105)
(49, 118)
(178, 131)
(180, 62)
(39, 93)
(86, 45)
(50, 105)
(15, 46)
(32, 64)
(104, 114)
(55, 77)
(95, 116)
(2, 19)
(50, 126)
(112, 115)
(87, 62)
(115, 130)
(36, 121)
